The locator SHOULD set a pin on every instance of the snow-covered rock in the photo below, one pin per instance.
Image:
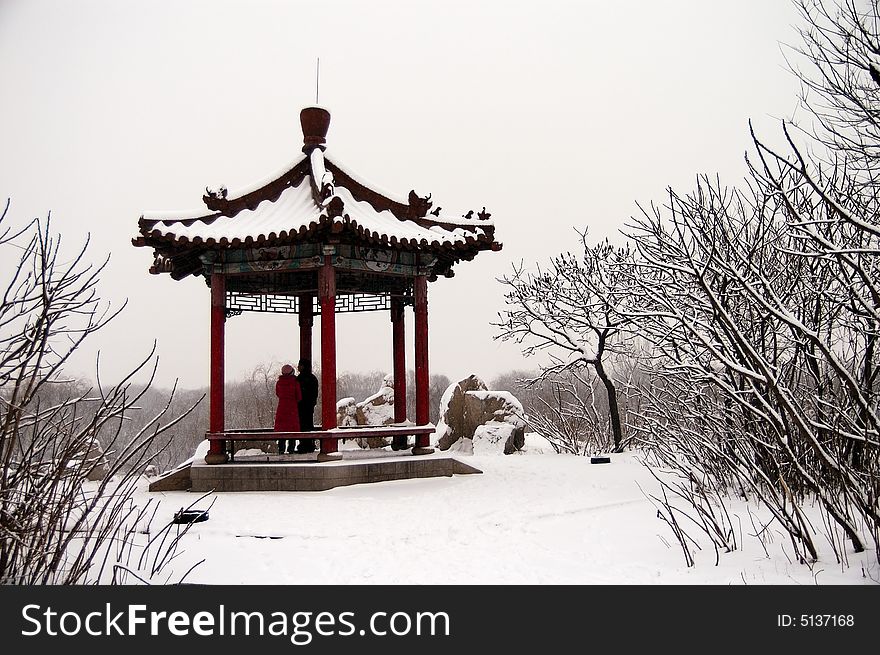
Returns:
(451, 426)
(378, 409)
(483, 421)
(346, 412)
(495, 438)
(245, 452)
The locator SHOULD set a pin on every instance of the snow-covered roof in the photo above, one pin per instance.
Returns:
(310, 199)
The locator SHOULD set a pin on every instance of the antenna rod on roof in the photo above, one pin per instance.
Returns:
(317, 79)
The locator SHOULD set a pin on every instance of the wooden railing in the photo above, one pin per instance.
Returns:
(359, 432)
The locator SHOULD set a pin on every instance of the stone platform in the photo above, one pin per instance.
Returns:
(303, 473)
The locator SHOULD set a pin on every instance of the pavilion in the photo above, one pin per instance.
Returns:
(317, 240)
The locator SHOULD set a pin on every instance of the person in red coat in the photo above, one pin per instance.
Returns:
(287, 415)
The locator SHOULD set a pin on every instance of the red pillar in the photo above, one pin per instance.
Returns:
(216, 454)
(420, 293)
(398, 349)
(306, 320)
(327, 298)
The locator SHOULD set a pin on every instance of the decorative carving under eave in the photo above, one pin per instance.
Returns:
(418, 206)
(161, 264)
(335, 207)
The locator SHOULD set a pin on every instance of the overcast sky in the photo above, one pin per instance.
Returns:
(553, 115)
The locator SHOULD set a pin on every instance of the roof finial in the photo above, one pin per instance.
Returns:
(317, 80)
(315, 121)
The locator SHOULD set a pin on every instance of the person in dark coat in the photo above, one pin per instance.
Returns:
(287, 415)
(309, 385)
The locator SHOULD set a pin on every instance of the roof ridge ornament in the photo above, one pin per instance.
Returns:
(216, 193)
(315, 122)
(419, 206)
(323, 183)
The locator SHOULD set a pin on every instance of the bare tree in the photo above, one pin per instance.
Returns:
(55, 525)
(180, 441)
(755, 335)
(759, 313)
(359, 385)
(570, 311)
(837, 62)
(251, 403)
(763, 304)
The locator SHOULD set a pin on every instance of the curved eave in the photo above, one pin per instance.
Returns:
(336, 229)
(333, 220)
(380, 201)
(377, 200)
(270, 191)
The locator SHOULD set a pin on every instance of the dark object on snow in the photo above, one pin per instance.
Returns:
(190, 515)
(600, 459)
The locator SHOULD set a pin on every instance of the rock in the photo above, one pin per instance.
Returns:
(378, 409)
(464, 446)
(453, 424)
(346, 413)
(498, 437)
(476, 420)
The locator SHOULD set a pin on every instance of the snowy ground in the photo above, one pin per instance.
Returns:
(527, 519)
